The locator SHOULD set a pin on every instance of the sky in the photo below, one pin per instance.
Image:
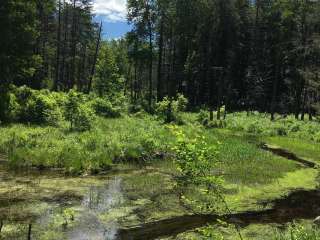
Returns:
(113, 15)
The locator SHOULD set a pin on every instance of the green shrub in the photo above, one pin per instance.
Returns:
(169, 110)
(32, 106)
(203, 117)
(254, 128)
(14, 108)
(78, 113)
(181, 103)
(104, 108)
(196, 159)
(37, 108)
(53, 117)
(84, 118)
(281, 131)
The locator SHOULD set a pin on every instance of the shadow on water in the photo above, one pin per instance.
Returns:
(298, 205)
(288, 155)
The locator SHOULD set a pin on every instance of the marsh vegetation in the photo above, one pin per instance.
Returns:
(202, 122)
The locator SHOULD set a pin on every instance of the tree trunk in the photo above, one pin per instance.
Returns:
(64, 47)
(304, 105)
(275, 86)
(159, 84)
(56, 81)
(93, 69)
(150, 66)
(73, 46)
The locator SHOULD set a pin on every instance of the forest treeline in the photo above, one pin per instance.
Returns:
(240, 54)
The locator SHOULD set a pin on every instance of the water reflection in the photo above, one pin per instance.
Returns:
(99, 200)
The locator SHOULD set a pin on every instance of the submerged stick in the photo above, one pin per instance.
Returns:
(1, 225)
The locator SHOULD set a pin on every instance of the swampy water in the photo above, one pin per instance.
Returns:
(49, 205)
(128, 203)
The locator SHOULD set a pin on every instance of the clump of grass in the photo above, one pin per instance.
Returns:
(110, 141)
(245, 163)
(303, 148)
(299, 232)
(259, 123)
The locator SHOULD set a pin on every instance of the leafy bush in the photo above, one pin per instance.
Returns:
(79, 114)
(37, 108)
(169, 109)
(203, 117)
(196, 159)
(104, 108)
(181, 103)
(32, 106)
(53, 117)
(84, 118)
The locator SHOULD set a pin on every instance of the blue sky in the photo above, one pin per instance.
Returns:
(113, 15)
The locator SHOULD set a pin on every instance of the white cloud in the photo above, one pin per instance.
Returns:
(112, 10)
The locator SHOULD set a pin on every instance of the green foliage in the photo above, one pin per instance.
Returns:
(196, 160)
(170, 110)
(259, 123)
(19, 32)
(4, 104)
(299, 232)
(203, 118)
(216, 124)
(107, 81)
(110, 141)
(210, 232)
(105, 108)
(31, 106)
(78, 113)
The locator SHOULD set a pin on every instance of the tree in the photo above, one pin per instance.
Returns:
(107, 81)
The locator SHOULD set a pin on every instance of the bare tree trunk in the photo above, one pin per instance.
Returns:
(73, 46)
(56, 81)
(220, 89)
(159, 86)
(150, 66)
(93, 69)
(275, 86)
(81, 72)
(304, 105)
(64, 47)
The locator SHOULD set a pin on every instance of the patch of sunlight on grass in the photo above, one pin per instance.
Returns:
(302, 148)
(249, 197)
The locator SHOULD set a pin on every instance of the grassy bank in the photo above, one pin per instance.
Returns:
(109, 142)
